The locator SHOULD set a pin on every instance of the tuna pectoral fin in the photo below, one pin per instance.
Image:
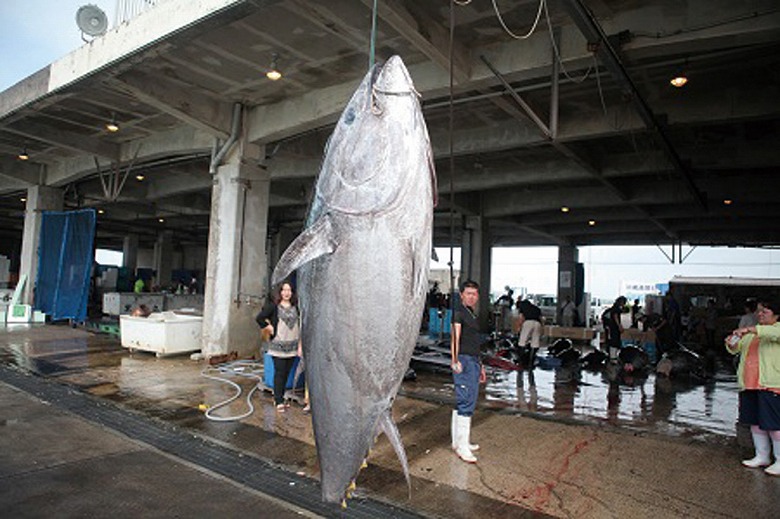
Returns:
(313, 242)
(388, 427)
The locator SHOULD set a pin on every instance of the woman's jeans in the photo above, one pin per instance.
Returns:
(282, 367)
(467, 385)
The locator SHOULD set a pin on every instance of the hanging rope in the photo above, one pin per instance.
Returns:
(509, 31)
(372, 49)
(558, 54)
(452, 156)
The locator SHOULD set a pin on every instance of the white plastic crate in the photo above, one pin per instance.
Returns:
(164, 333)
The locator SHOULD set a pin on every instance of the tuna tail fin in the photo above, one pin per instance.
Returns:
(388, 427)
(313, 242)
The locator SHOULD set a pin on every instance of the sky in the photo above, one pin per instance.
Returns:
(38, 32)
(609, 269)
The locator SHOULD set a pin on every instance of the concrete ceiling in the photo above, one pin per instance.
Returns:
(647, 163)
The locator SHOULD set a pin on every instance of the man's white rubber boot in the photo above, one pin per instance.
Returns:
(462, 449)
(761, 443)
(454, 431)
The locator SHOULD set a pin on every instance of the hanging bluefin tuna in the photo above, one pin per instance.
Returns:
(362, 263)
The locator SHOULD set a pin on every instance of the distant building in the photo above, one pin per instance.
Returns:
(638, 290)
(726, 291)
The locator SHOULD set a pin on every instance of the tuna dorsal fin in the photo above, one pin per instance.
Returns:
(315, 241)
(388, 427)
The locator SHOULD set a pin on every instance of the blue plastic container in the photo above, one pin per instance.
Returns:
(649, 348)
(268, 373)
(438, 324)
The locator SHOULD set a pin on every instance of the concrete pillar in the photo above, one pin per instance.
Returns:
(163, 258)
(39, 198)
(130, 253)
(476, 258)
(568, 277)
(237, 265)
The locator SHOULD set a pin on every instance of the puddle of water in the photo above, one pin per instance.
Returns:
(55, 350)
(682, 406)
(679, 406)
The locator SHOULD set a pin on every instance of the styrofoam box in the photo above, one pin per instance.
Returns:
(162, 333)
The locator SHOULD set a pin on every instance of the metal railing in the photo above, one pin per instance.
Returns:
(128, 9)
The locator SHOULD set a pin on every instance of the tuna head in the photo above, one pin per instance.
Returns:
(362, 267)
(378, 148)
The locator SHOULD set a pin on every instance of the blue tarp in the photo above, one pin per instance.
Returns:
(65, 256)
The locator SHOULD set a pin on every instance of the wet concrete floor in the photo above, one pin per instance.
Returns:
(553, 443)
(54, 464)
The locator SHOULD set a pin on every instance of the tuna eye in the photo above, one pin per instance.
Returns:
(349, 117)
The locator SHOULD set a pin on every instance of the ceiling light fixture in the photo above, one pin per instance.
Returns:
(100, 211)
(112, 125)
(273, 73)
(22, 199)
(591, 222)
(161, 220)
(564, 209)
(679, 81)
(24, 155)
(728, 201)
(139, 177)
(680, 78)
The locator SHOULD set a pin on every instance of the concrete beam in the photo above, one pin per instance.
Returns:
(24, 92)
(20, 173)
(9, 185)
(322, 108)
(517, 60)
(500, 136)
(523, 201)
(662, 26)
(73, 141)
(268, 123)
(190, 107)
(331, 20)
(534, 231)
(182, 140)
(178, 182)
(530, 172)
(427, 35)
(130, 207)
(513, 202)
(286, 168)
(148, 28)
(166, 21)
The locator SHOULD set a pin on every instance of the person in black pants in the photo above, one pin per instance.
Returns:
(280, 319)
(613, 327)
